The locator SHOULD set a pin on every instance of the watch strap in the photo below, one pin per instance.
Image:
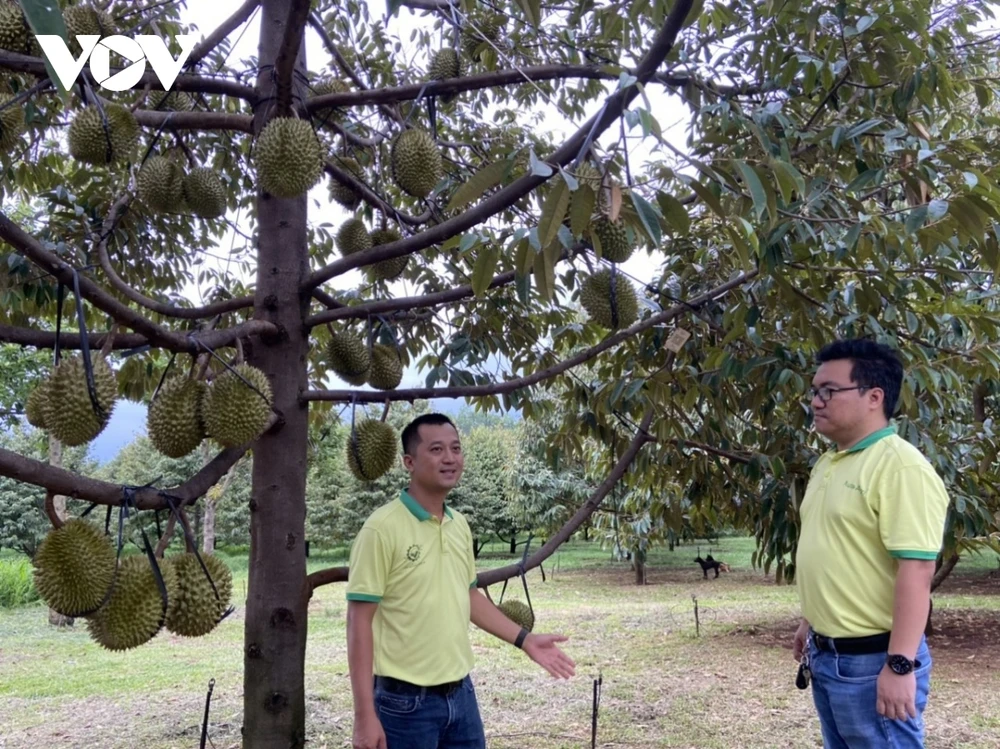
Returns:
(520, 638)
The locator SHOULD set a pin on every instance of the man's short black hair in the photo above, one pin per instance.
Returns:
(873, 365)
(411, 434)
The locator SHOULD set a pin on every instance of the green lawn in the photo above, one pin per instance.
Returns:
(663, 685)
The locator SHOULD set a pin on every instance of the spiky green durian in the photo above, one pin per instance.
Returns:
(11, 122)
(233, 412)
(371, 452)
(86, 19)
(353, 237)
(196, 610)
(341, 193)
(68, 410)
(92, 143)
(161, 184)
(173, 421)
(387, 270)
(15, 33)
(386, 371)
(135, 612)
(595, 296)
(613, 236)
(445, 64)
(204, 193)
(34, 406)
(330, 86)
(349, 357)
(416, 162)
(519, 613)
(73, 568)
(288, 157)
(170, 101)
(486, 34)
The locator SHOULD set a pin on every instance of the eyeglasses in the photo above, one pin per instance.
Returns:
(826, 393)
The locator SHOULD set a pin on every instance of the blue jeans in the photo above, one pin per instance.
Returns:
(845, 691)
(414, 718)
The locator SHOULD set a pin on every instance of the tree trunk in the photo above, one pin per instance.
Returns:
(275, 624)
(59, 502)
(513, 544)
(640, 571)
(944, 569)
(208, 529)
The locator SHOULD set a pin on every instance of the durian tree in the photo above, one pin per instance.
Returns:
(837, 176)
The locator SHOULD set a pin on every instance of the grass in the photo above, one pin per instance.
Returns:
(16, 586)
(663, 684)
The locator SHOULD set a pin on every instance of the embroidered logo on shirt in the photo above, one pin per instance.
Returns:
(850, 485)
(413, 553)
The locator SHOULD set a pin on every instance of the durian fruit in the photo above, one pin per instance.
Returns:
(446, 63)
(416, 162)
(371, 452)
(519, 613)
(170, 101)
(595, 296)
(349, 357)
(11, 123)
(288, 157)
(330, 86)
(613, 236)
(135, 612)
(91, 143)
(15, 33)
(234, 413)
(86, 19)
(490, 27)
(161, 184)
(204, 193)
(74, 567)
(34, 405)
(387, 270)
(353, 237)
(340, 192)
(386, 371)
(67, 409)
(174, 421)
(195, 610)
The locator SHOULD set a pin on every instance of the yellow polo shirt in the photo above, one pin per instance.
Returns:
(419, 571)
(864, 509)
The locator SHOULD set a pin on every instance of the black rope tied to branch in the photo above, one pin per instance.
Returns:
(244, 380)
(521, 572)
(204, 722)
(353, 439)
(128, 499)
(88, 367)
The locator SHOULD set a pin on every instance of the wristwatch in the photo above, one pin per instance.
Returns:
(900, 664)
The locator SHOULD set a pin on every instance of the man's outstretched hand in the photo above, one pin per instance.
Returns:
(542, 649)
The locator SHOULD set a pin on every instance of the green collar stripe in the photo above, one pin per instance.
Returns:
(872, 438)
(417, 511)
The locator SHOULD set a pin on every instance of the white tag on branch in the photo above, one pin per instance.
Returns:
(677, 339)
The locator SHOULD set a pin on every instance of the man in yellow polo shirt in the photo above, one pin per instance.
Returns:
(411, 594)
(872, 522)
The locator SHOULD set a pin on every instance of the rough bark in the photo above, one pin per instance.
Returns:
(59, 505)
(275, 628)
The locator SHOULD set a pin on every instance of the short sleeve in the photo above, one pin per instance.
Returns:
(368, 570)
(912, 507)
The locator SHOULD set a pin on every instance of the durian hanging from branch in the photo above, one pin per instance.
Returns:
(289, 157)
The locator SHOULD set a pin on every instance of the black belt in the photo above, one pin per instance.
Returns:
(398, 686)
(853, 645)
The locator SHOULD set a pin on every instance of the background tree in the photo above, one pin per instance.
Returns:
(837, 178)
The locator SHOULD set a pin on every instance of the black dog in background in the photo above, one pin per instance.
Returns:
(711, 564)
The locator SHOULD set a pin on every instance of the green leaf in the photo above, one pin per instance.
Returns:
(647, 214)
(545, 270)
(708, 197)
(45, 17)
(916, 219)
(936, 209)
(674, 212)
(524, 258)
(581, 209)
(532, 11)
(755, 186)
(742, 248)
(538, 168)
(553, 212)
(487, 177)
(485, 267)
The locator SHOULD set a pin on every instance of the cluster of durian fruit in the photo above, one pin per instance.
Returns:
(184, 412)
(518, 612)
(77, 574)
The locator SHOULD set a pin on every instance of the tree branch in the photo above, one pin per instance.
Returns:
(242, 123)
(284, 62)
(167, 309)
(155, 335)
(373, 198)
(592, 129)
(194, 83)
(45, 339)
(227, 27)
(490, 577)
(61, 481)
(471, 391)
